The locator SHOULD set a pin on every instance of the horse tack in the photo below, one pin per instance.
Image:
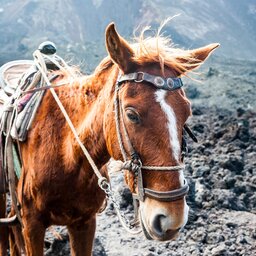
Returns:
(22, 88)
(134, 164)
(159, 82)
(3, 182)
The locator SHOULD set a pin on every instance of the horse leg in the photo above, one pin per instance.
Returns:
(81, 237)
(33, 233)
(3, 230)
(16, 241)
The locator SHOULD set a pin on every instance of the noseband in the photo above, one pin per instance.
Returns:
(132, 162)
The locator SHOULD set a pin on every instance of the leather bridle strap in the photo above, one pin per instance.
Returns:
(159, 82)
(132, 160)
(168, 196)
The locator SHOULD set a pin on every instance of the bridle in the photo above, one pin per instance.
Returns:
(132, 161)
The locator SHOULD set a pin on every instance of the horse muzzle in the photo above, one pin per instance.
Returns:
(156, 231)
(162, 221)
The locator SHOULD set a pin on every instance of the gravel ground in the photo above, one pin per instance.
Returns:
(221, 173)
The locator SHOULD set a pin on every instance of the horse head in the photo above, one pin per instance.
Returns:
(151, 110)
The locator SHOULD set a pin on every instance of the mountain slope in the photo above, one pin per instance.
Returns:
(78, 26)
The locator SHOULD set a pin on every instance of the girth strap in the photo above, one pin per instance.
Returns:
(168, 83)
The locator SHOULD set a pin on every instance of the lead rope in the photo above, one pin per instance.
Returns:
(102, 181)
(39, 61)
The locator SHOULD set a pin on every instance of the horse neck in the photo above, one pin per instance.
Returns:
(87, 101)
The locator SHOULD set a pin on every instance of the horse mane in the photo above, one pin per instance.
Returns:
(160, 49)
(157, 49)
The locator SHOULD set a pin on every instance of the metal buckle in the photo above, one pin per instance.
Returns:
(137, 80)
(104, 184)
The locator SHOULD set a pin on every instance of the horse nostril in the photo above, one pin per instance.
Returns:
(157, 224)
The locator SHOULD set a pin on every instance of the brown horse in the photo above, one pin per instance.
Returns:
(58, 185)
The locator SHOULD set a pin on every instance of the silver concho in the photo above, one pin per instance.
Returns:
(159, 81)
(170, 83)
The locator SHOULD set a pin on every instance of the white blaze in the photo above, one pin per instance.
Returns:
(171, 123)
(168, 222)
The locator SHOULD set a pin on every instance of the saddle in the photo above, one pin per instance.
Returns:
(20, 97)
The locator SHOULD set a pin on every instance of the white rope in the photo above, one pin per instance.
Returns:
(163, 168)
(66, 67)
(38, 56)
(102, 181)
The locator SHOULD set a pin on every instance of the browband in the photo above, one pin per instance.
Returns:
(159, 82)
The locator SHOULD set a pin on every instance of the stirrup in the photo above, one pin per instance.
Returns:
(11, 221)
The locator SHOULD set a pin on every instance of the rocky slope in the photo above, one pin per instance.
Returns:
(77, 26)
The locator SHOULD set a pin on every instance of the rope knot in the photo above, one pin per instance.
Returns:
(133, 166)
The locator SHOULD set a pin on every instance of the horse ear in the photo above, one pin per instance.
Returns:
(197, 56)
(200, 54)
(118, 48)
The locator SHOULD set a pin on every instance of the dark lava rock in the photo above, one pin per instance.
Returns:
(229, 200)
(98, 249)
(230, 181)
(243, 131)
(231, 225)
(59, 247)
(233, 163)
(214, 238)
(220, 250)
(196, 111)
(212, 72)
(219, 133)
(127, 199)
(198, 128)
(192, 92)
(240, 112)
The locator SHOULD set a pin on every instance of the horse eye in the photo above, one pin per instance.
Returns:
(133, 116)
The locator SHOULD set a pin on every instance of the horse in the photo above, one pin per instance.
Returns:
(132, 106)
